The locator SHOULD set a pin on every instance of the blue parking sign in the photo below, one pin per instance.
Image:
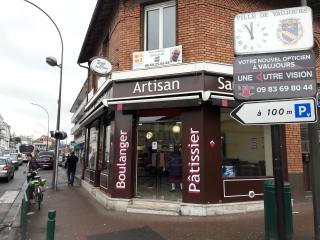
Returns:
(302, 110)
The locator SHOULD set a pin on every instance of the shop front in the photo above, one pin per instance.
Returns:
(172, 138)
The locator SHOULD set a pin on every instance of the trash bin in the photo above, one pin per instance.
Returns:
(270, 211)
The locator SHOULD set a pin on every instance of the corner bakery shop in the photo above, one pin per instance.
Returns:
(167, 134)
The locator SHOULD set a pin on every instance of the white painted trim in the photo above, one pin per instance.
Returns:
(151, 100)
(158, 95)
(242, 179)
(104, 174)
(103, 187)
(185, 68)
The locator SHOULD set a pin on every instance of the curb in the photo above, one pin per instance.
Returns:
(12, 221)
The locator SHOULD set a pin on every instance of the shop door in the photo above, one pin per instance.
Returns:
(159, 163)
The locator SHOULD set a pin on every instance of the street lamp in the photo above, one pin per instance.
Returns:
(53, 62)
(48, 121)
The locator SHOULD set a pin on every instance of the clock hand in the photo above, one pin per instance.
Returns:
(249, 30)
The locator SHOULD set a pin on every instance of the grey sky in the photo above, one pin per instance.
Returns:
(27, 37)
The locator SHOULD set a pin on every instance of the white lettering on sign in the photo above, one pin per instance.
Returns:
(194, 162)
(155, 86)
(224, 84)
(122, 163)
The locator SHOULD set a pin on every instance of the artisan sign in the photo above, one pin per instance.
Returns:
(280, 30)
(275, 76)
(173, 85)
(276, 112)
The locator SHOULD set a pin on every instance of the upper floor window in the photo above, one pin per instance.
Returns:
(160, 25)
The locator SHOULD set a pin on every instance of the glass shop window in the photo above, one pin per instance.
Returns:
(93, 148)
(160, 26)
(246, 150)
(107, 147)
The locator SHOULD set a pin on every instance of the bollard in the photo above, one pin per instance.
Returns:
(51, 224)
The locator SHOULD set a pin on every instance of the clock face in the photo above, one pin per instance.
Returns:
(250, 36)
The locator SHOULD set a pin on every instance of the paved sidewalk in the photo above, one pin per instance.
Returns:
(79, 217)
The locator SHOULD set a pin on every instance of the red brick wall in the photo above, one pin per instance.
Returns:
(130, 33)
(293, 143)
(204, 29)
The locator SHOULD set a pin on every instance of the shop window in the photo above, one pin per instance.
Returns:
(160, 26)
(246, 150)
(106, 159)
(93, 147)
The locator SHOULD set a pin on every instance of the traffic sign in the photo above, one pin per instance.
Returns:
(276, 112)
(275, 76)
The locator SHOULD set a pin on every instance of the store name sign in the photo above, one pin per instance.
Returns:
(275, 76)
(122, 161)
(157, 58)
(281, 30)
(100, 66)
(194, 162)
(161, 86)
(156, 86)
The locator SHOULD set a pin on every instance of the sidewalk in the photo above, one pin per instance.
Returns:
(79, 217)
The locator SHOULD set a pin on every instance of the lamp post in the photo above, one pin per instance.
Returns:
(48, 121)
(53, 62)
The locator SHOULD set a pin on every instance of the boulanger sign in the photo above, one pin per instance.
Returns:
(279, 30)
(275, 76)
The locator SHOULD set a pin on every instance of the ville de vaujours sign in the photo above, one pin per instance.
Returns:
(173, 85)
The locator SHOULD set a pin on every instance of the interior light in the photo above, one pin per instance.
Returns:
(149, 135)
(176, 129)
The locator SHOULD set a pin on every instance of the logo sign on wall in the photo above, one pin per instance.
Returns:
(281, 30)
(100, 66)
(275, 76)
(157, 58)
(276, 112)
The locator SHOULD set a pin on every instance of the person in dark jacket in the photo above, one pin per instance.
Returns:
(32, 165)
(175, 168)
(71, 165)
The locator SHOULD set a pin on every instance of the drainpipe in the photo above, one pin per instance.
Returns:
(85, 140)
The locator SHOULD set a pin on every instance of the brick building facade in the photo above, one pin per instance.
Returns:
(204, 30)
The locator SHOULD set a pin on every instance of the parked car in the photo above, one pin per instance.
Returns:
(6, 169)
(45, 159)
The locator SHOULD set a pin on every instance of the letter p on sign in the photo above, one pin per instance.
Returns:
(302, 110)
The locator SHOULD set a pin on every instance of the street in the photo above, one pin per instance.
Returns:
(80, 217)
(9, 191)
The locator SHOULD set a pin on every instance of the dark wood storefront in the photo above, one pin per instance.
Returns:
(199, 97)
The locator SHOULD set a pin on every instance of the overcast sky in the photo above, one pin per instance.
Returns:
(27, 37)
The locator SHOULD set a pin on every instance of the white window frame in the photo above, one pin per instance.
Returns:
(160, 7)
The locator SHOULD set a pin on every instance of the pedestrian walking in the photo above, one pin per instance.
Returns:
(71, 165)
